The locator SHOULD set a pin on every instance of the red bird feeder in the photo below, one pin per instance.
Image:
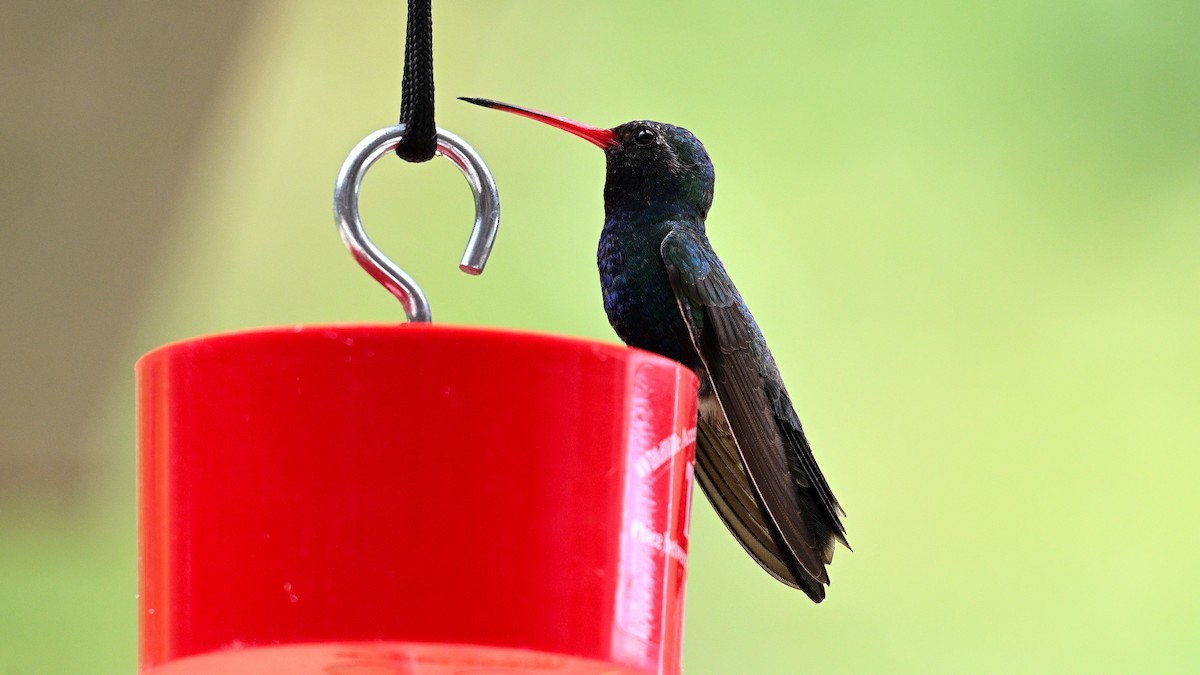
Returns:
(411, 499)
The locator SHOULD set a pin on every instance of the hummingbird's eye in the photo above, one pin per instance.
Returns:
(643, 136)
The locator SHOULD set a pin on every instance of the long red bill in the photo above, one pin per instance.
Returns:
(604, 138)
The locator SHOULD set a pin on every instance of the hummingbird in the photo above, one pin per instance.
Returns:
(666, 291)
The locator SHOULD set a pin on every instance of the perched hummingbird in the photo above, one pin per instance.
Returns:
(666, 291)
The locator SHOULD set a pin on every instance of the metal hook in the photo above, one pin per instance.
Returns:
(382, 269)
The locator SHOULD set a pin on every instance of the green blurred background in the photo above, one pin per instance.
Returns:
(968, 230)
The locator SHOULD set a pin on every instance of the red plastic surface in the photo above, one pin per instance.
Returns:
(411, 499)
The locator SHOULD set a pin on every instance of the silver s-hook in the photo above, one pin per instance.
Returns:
(379, 266)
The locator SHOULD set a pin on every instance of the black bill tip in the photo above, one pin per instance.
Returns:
(485, 102)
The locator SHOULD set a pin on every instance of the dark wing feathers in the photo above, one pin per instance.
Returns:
(779, 463)
(738, 386)
(794, 434)
(722, 479)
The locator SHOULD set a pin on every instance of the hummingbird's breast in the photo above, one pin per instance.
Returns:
(637, 293)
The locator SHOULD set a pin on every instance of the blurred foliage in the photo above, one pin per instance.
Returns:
(968, 230)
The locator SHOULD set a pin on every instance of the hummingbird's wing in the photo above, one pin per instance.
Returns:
(747, 460)
(720, 474)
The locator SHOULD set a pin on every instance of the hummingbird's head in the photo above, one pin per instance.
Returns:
(651, 165)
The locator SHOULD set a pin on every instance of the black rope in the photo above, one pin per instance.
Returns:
(419, 143)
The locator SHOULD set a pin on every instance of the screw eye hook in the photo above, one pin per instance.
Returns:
(378, 265)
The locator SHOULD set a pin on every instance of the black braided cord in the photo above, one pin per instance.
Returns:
(419, 143)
